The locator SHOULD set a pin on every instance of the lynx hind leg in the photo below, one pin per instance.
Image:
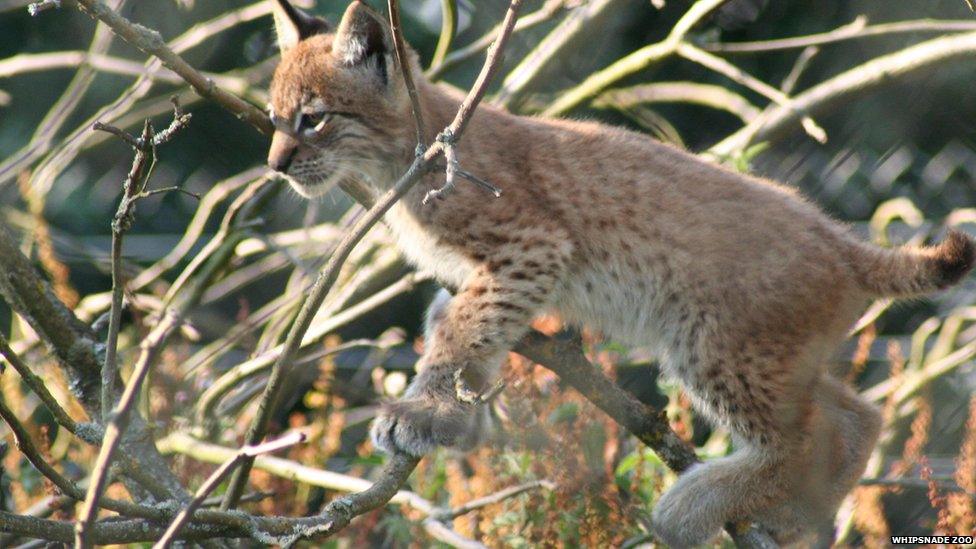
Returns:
(844, 429)
(741, 395)
(802, 440)
(762, 399)
(710, 494)
(840, 429)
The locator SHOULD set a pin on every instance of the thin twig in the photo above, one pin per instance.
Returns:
(947, 483)
(23, 63)
(407, 73)
(37, 385)
(525, 22)
(854, 30)
(494, 498)
(217, 477)
(799, 66)
(449, 137)
(486, 185)
(214, 501)
(123, 220)
(134, 188)
(635, 61)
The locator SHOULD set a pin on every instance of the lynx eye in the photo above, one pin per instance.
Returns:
(312, 120)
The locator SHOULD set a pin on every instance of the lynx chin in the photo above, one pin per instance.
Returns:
(743, 288)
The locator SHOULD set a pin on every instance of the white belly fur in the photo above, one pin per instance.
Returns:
(422, 250)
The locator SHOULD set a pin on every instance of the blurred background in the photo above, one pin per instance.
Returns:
(898, 163)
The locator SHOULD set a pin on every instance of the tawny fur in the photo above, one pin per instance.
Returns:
(743, 288)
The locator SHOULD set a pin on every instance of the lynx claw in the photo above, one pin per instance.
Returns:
(418, 426)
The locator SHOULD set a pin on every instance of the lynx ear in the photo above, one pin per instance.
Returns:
(363, 35)
(293, 25)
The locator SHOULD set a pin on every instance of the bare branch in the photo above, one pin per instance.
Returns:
(67, 487)
(706, 95)
(799, 66)
(721, 66)
(436, 517)
(520, 79)
(37, 385)
(492, 499)
(133, 189)
(121, 415)
(33, 455)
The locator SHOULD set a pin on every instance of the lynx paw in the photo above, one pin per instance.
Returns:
(685, 516)
(417, 426)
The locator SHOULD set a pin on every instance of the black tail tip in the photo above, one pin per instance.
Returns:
(955, 257)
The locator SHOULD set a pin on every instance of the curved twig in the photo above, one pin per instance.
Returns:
(855, 30)
(778, 119)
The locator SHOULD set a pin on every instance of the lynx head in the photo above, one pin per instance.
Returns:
(337, 103)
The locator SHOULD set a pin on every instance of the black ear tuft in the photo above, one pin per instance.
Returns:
(293, 25)
(363, 37)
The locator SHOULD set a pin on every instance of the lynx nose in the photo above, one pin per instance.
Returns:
(282, 151)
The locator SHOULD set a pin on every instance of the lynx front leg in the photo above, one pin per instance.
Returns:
(463, 354)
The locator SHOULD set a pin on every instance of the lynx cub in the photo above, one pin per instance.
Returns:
(742, 287)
